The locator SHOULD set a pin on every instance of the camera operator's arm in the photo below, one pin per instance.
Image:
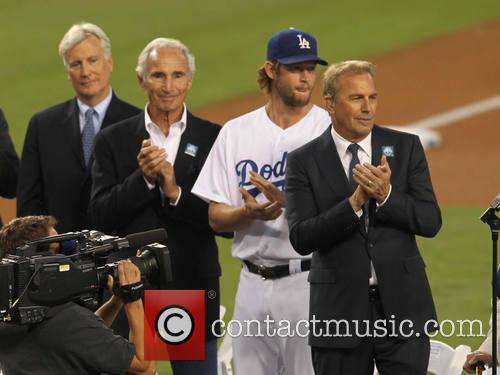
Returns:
(135, 316)
(108, 311)
(128, 273)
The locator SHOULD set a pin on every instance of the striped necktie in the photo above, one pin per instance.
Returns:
(88, 134)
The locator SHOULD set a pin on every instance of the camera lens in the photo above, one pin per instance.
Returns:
(147, 263)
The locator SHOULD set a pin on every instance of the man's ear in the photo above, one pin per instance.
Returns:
(270, 70)
(140, 80)
(110, 62)
(329, 104)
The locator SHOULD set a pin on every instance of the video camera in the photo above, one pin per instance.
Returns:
(33, 279)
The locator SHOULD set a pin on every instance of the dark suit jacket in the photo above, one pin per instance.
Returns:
(9, 162)
(53, 178)
(322, 221)
(121, 201)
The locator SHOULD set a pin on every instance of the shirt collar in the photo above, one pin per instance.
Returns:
(150, 124)
(100, 108)
(341, 144)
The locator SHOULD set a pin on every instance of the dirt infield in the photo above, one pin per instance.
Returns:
(423, 80)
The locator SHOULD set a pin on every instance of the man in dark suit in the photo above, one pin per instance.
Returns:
(356, 197)
(55, 165)
(9, 162)
(143, 173)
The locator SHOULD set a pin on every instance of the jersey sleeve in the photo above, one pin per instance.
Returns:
(214, 183)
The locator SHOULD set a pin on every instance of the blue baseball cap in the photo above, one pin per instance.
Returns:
(292, 46)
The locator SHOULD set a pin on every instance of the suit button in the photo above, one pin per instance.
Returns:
(370, 245)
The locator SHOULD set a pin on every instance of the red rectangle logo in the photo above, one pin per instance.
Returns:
(174, 325)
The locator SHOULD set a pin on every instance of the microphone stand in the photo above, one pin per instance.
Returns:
(489, 217)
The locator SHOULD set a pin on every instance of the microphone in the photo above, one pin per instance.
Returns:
(137, 240)
(495, 203)
(97, 241)
(489, 217)
(133, 241)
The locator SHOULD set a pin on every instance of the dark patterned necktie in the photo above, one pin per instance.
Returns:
(88, 134)
(353, 149)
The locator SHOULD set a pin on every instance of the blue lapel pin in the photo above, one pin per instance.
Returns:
(388, 151)
(191, 150)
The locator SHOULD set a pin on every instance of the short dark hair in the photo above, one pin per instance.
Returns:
(23, 229)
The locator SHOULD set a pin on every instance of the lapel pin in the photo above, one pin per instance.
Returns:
(388, 151)
(191, 150)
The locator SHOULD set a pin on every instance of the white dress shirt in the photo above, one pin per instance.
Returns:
(99, 114)
(170, 143)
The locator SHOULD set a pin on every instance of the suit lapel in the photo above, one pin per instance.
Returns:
(112, 113)
(140, 132)
(134, 143)
(376, 145)
(330, 165)
(188, 148)
(71, 126)
(110, 117)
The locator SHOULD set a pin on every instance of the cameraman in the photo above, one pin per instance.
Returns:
(71, 339)
(24, 229)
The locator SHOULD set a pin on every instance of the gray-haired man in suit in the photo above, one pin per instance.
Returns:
(57, 154)
(356, 197)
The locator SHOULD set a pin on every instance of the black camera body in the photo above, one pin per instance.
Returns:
(32, 280)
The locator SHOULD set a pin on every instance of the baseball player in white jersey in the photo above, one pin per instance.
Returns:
(243, 179)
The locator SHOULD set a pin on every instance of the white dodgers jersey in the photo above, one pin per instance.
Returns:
(253, 142)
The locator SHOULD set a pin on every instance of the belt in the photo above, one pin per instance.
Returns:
(275, 272)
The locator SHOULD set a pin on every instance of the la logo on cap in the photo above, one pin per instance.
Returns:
(303, 43)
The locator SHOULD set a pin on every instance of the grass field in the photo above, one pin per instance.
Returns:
(458, 265)
(227, 37)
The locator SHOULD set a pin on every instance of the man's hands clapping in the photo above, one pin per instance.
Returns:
(263, 211)
(157, 169)
(373, 182)
(150, 159)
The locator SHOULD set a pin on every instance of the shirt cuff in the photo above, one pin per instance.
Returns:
(150, 186)
(174, 204)
(386, 198)
(359, 213)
